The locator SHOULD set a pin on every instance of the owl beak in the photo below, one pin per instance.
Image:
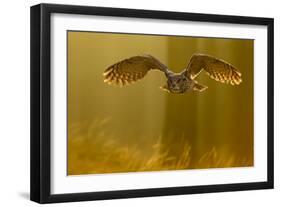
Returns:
(165, 88)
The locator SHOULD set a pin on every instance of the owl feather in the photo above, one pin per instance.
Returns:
(217, 69)
(132, 69)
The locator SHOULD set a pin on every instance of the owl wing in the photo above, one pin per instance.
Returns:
(132, 69)
(216, 68)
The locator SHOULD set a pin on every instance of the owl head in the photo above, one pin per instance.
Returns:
(178, 83)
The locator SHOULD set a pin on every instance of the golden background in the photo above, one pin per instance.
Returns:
(142, 128)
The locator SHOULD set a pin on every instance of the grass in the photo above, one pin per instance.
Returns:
(92, 151)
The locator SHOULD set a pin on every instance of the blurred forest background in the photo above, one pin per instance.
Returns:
(142, 128)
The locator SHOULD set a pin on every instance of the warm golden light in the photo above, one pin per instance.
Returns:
(143, 128)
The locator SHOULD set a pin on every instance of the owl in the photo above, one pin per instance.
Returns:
(135, 68)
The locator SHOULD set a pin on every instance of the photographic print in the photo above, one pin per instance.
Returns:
(141, 102)
(132, 103)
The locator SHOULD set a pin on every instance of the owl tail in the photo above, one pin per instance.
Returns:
(198, 87)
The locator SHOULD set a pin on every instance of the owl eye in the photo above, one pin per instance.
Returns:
(173, 84)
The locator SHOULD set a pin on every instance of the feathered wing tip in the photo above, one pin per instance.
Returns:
(115, 75)
(107, 71)
(131, 70)
(233, 77)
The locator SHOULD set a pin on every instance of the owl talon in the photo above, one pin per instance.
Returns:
(165, 88)
(199, 87)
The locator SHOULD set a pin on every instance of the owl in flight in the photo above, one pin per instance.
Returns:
(135, 68)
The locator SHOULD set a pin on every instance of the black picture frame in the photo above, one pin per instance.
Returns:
(41, 99)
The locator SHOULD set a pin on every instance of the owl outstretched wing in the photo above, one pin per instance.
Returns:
(216, 68)
(132, 69)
